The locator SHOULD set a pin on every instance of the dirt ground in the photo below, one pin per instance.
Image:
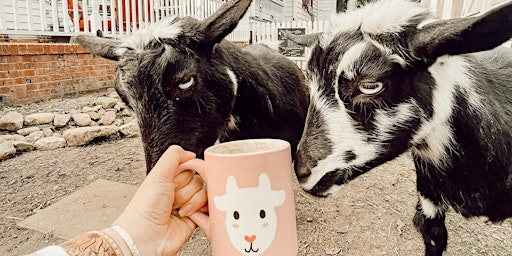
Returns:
(371, 215)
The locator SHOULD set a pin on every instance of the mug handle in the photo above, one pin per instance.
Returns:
(198, 217)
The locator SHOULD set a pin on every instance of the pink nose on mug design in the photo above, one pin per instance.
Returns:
(253, 213)
(250, 239)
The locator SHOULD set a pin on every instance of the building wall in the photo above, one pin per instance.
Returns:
(31, 72)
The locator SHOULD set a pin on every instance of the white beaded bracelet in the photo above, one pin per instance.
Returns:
(127, 238)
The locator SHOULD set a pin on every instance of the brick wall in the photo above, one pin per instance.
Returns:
(31, 72)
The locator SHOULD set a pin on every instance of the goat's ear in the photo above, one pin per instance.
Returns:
(464, 35)
(305, 40)
(223, 21)
(104, 47)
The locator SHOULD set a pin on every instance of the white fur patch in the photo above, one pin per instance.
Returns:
(385, 123)
(388, 16)
(341, 130)
(449, 72)
(155, 31)
(348, 59)
(429, 209)
(233, 123)
(233, 78)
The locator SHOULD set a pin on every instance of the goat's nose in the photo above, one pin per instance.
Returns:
(302, 169)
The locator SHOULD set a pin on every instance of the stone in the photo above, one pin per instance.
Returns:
(118, 122)
(27, 131)
(39, 118)
(94, 115)
(61, 120)
(108, 118)
(12, 121)
(83, 135)
(88, 109)
(4, 138)
(105, 102)
(47, 132)
(130, 129)
(23, 146)
(33, 137)
(82, 119)
(7, 150)
(49, 143)
(113, 95)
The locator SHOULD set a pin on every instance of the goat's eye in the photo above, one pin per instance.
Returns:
(236, 215)
(262, 214)
(371, 88)
(187, 84)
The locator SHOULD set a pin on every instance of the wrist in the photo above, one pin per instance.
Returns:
(119, 240)
(92, 243)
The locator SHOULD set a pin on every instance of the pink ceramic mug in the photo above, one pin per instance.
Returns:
(250, 198)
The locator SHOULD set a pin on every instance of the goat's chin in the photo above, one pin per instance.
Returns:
(324, 191)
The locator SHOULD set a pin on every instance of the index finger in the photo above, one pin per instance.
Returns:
(166, 166)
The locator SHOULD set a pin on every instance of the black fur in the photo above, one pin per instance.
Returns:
(271, 97)
(465, 164)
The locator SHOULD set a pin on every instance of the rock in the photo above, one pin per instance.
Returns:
(33, 137)
(118, 122)
(88, 109)
(94, 115)
(4, 138)
(97, 108)
(113, 95)
(82, 119)
(39, 118)
(83, 135)
(18, 137)
(130, 129)
(27, 131)
(49, 143)
(23, 146)
(108, 118)
(7, 150)
(61, 120)
(47, 132)
(11, 121)
(105, 102)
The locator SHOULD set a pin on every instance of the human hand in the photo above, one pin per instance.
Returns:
(149, 218)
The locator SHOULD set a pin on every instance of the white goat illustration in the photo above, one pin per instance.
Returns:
(251, 220)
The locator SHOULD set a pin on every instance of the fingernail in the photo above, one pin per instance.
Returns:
(185, 210)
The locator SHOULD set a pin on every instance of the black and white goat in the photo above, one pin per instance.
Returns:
(189, 86)
(387, 78)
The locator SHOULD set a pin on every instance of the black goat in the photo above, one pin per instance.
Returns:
(189, 86)
(387, 78)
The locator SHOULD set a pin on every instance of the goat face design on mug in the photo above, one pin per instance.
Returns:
(251, 219)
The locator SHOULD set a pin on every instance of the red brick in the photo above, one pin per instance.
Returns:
(7, 66)
(14, 49)
(22, 73)
(48, 85)
(33, 86)
(18, 95)
(47, 49)
(38, 93)
(19, 88)
(22, 49)
(4, 89)
(5, 49)
(5, 74)
(54, 49)
(34, 49)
